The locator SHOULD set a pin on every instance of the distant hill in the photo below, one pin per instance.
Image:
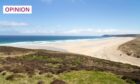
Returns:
(123, 35)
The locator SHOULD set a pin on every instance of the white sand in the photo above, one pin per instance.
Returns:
(104, 49)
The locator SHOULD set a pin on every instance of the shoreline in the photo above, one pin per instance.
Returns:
(54, 41)
(102, 48)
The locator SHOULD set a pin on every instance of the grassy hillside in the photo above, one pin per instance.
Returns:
(6, 51)
(60, 64)
(74, 77)
(131, 48)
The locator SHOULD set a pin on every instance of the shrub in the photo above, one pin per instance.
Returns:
(58, 82)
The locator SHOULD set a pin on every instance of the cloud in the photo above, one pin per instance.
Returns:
(83, 31)
(9, 24)
(68, 32)
(39, 32)
(9, 32)
(91, 31)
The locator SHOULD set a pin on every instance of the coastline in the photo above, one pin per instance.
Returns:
(102, 48)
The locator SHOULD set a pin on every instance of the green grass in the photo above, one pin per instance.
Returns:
(91, 77)
(41, 58)
(74, 77)
(25, 79)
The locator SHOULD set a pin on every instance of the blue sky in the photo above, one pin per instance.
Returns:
(72, 17)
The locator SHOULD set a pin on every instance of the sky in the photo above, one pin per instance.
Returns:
(72, 17)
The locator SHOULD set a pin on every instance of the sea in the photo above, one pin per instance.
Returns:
(4, 40)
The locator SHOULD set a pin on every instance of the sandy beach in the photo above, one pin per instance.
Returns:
(102, 48)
